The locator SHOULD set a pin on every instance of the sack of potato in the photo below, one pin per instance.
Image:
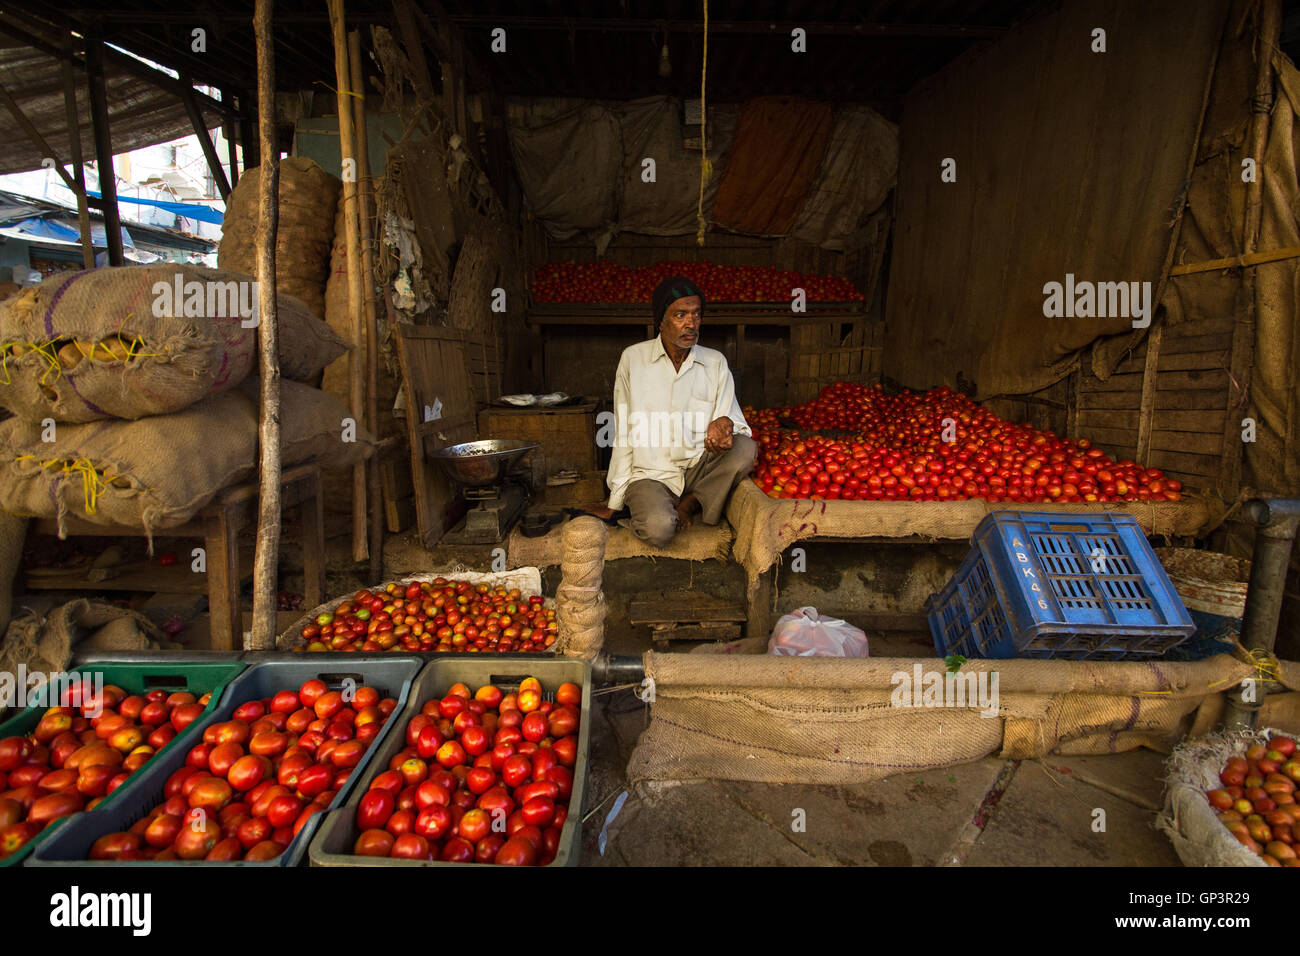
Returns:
(159, 471)
(308, 195)
(142, 340)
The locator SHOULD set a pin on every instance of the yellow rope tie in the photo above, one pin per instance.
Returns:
(92, 486)
(706, 168)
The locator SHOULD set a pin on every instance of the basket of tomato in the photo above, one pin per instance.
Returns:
(471, 612)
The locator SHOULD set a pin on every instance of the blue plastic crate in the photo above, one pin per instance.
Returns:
(1064, 585)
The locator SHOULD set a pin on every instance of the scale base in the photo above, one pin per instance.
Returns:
(490, 519)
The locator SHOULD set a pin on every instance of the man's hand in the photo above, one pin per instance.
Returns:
(600, 511)
(718, 437)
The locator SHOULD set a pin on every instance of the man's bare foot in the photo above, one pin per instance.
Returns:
(600, 511)
(687, 509)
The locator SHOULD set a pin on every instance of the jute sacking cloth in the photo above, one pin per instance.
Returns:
(699, 542)
(766, 526)
(834, 721)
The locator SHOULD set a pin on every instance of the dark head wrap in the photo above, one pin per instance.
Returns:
(668, 292)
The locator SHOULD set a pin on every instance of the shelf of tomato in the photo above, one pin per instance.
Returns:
(440, 615)
(934, 446)
(492, 768)
(604, 281)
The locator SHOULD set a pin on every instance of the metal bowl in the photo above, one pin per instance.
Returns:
(478, 463)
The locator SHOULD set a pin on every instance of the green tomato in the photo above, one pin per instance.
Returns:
(326, 618)
(362, 615)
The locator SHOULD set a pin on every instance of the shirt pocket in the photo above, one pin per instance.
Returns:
(699, 410)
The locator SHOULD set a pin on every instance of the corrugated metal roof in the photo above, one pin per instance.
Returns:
(140, 114)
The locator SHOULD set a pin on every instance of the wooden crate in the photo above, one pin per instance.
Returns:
(567, 435)
(835, 352)
(1173, 403)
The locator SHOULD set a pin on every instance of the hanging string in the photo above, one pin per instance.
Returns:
(706, 168)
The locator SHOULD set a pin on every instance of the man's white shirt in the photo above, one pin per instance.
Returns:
(662, 414)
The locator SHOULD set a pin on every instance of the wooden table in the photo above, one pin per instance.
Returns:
(219, 524)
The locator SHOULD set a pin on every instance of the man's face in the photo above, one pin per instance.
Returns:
(681, 325)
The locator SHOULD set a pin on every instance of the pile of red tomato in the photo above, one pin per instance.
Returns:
(79, 754)
(605, 281)
(248, 789)
(482, 779)
(438, 615)
(934, 446)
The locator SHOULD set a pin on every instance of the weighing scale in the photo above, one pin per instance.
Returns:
(496, 493)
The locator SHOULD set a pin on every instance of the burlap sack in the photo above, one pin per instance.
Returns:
(308, 196)
(158, 471)
(838, 721)
(45, 644)
(580, 603)
(85, 346)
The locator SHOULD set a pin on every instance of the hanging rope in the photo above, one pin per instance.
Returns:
(706, 168)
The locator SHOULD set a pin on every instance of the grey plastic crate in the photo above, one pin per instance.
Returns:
(393, 675)
(332, 845)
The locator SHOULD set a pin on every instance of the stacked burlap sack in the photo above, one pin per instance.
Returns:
(134, 404)
(304, 233)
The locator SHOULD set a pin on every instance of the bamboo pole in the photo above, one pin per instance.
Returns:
(356, 366)
(266, 559)
(367, 206)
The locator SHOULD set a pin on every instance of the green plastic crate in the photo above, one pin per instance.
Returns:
(391, 674)
(332, 845)
(134, 677)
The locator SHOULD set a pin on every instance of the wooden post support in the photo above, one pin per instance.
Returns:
(266, 559)
(366, 191)
(352, 230)
(104, 150)
(248, 130)
(74, 153)
(204, 137)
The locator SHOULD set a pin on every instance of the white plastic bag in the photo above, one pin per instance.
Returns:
(803, 633)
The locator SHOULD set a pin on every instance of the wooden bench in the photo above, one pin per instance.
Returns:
(218, 524)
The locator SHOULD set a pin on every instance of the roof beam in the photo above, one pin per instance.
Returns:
(205, 140)
(609, 25)
(128, 63)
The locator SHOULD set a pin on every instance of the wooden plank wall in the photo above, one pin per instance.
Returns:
(1179, 422)
(838, 352)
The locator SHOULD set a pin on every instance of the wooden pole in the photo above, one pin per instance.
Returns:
(266, 558)
(352, 230)
(104, 150)
(367, 208)
(74, 153)
(204, 137)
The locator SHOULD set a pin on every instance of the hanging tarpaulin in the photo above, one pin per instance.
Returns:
(569, 168)
(1038, 162)
(859, 170)
(778, 148)
(661, 200)
(189, 210)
